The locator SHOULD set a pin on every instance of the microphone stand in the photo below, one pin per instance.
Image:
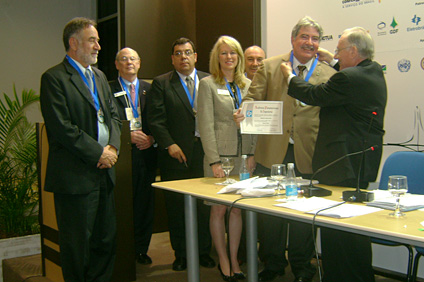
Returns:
(311, 190)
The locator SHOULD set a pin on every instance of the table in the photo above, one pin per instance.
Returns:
(379, 224)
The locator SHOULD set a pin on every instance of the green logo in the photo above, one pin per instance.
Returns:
(394, 23)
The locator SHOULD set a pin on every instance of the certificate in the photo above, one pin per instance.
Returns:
(262, 117)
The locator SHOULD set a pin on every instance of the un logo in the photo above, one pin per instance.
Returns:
(404, 65)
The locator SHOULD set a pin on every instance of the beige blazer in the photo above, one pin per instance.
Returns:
(218, 131)
(268, 85)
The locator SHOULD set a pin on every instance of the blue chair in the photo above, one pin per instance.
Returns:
(411, 165)
(420, 252)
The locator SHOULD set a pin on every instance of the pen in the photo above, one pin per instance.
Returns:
(185, 163)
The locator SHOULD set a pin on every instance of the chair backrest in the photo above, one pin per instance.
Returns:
(410, 164)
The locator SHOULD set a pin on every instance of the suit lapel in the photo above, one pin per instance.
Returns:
(141, 95)
(179, 90)
(79, 83)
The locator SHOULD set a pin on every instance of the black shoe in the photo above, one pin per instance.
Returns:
(226, 277)
(239, 276)
(302, 279)
(144, 259)
(269, 275)
(179, 264)
(206, 261)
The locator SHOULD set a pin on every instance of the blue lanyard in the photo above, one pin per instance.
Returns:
(314, 64)
(191, 99)
(137, 87)
(94, 94)
(232, 94)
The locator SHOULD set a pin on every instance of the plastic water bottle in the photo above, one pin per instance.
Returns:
(244, 172)
(291, 184)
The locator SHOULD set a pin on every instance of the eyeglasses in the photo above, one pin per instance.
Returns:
(338, 50)
(188, 53)
(126, 59)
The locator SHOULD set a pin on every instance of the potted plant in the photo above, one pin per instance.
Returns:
(18, 172)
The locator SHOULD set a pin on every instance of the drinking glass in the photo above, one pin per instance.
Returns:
(227, 165)
(398, 185)
(278, 173)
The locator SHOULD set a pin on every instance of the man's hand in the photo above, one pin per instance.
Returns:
(141, 140)
(217, 170)
(108, 158)
(175, 151)
(325, 55)
(238, 117)
(286, 69)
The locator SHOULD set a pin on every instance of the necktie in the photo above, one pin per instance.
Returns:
(190, 85)
(301, 69)
(89, 79)
(132, 92)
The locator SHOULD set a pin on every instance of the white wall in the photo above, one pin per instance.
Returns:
(31, 41)
(405, 89)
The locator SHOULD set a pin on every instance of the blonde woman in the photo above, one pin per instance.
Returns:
(220, 95)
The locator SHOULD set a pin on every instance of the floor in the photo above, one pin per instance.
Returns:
(161, 269)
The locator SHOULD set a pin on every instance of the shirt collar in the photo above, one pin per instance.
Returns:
(192, 74)
(296, 63)
(81, 67)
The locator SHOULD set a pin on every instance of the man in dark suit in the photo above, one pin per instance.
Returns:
(171, 114)
(83, 129)
(130, 99)
(352, 105)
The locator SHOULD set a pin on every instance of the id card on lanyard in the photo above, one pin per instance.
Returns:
(133, 111)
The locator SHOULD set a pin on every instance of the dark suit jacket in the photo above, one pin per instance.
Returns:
(149, 154)
(71, 122)
(347, 103)
(121, 103)
(171, 118)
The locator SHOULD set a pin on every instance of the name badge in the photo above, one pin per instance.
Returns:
(135, 123)
(117, 94)
(223, 92)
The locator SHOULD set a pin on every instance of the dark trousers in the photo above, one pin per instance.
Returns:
(273, 237)
(87, 233)
(175, 207)
(346, 256)
(144, 163)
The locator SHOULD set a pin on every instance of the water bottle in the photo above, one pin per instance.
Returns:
(291, 184)
(244, 172)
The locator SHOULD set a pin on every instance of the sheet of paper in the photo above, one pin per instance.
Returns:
(314, 204)
(262, 117)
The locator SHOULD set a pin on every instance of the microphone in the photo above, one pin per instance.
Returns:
(311, 190)
(359, 196)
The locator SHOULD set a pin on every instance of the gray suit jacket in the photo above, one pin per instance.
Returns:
(218, 131)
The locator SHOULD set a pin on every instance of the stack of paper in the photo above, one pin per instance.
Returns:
(314, 204)
(408, 202)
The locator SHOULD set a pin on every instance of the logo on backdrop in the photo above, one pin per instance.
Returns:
(384, 68)
(404, 65)
(327, 38)
(394, 24)
(416, 21)
(381, 26)
(356, 3)
(422, 63)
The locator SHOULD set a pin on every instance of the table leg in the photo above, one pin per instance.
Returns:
(252, 243)
(190, 208)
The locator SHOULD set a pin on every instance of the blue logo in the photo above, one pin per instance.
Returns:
(381, 25)
(404, 65)
(416, 20)
(249, 113)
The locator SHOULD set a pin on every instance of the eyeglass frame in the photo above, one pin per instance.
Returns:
(128, 59)
(187, 52)
(337, 51)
